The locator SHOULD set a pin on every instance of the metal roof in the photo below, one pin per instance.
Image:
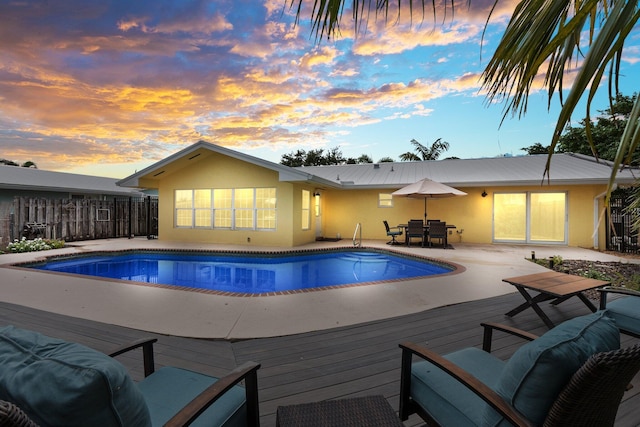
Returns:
(566, 169)
(19, 178)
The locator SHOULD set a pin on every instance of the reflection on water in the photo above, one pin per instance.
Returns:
(251, 273)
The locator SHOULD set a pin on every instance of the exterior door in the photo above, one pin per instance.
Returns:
(530, 217)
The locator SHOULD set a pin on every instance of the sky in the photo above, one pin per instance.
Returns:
(108, 87)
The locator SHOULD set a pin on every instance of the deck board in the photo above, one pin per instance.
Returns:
(347, 361)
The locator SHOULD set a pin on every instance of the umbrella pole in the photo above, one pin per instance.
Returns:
(425, 210)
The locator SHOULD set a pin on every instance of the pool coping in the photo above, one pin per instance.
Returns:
(457, 268)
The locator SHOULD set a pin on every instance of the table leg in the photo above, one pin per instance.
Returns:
(533, 303)
(587, 302)
(580, 295)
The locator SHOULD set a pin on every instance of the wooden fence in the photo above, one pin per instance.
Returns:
(80, 219)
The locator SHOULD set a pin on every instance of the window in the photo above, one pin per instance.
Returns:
(202, 208)
(306, 209)
(184, 208)
(535, 217)
(244, 208)
(266, 208)
(239, 208)
(222, 207)
(385, 200)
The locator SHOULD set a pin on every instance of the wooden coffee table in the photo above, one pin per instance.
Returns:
(552, 285)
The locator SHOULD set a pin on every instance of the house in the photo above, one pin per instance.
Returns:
(38, 183)
(210, 193)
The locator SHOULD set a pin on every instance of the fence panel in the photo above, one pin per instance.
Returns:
(620, 234)
(79, 219)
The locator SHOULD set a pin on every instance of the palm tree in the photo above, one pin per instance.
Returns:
(422, 152)
(540, 34)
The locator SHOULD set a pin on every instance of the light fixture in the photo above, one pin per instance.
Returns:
(316, 193)
(484, 193)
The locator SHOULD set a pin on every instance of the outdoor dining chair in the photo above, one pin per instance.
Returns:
(393, 232)
(625, 310)
(438, 231)
(415, 229)
(575, 374)
(59, 383)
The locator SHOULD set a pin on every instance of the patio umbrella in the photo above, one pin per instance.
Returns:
(428, 189)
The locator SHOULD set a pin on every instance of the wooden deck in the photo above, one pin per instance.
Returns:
(342, 362)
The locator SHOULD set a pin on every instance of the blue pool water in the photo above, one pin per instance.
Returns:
(248, 273)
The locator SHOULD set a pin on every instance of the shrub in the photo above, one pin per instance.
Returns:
(24, 245)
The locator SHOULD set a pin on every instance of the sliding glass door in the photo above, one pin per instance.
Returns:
(530, 217)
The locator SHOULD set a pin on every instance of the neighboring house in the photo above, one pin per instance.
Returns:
(209, 193)
(36, 183)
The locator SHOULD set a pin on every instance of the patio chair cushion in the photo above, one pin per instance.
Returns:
(450, 402)
(229, 410)
(536, 373)
(626, 312)
(57, 383)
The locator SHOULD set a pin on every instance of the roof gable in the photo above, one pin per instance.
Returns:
(150, 176)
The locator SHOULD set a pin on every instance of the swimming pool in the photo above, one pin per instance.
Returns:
(248, 272)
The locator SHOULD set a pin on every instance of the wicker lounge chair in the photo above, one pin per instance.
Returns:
(572, 375)
(626, 310)
(393, 232)
(60, 384)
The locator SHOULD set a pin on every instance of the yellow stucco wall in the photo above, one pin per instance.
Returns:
(341, 210)
(218, 171)
(471, 214)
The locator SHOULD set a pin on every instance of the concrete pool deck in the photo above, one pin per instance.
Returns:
(195, 314)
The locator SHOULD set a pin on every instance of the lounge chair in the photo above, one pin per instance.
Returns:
(625, 310)
(415, 228)
(438, 230)
(60, 383)
(575, 374)
(393, 232)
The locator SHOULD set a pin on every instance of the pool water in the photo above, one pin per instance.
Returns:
(248, 273)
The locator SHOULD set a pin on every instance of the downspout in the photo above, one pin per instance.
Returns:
(596, 216)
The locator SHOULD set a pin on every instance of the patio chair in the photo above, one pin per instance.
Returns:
(575, 374)
(393, 232)
(625, 310)
(415, 229)
(438, 230)
(59, 383)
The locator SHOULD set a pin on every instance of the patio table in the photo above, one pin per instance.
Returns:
(552, 285)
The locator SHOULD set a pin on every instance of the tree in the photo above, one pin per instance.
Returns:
(28, 164)
(536, 148)
(605, 133)
(314, 158)
(422, 152)
(386, 160)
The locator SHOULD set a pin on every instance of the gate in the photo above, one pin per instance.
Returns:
(620, 234)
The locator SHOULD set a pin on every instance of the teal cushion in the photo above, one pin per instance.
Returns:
(536, 373)
(626, 312)
(447, 400)
(169, 389)
(65, 384)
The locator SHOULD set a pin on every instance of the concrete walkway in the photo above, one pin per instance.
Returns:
(194, 314)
